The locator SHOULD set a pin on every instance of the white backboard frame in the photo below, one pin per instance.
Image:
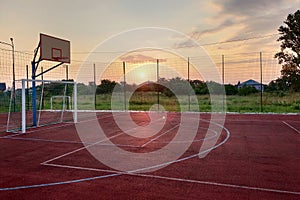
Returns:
(54, 49)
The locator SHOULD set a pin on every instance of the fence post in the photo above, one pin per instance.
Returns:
(223, 82)
(27, 88)
(188, 71)
(124, 85)
(95, 87)
(157, 76)
(261, 84)
(23, 107)
(33, 94)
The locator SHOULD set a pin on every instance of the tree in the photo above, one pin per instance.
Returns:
(231, 89)
(289, 56)
(246, 90)
(106, 86)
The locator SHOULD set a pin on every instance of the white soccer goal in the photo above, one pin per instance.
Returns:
(65, 99)
(56, 102)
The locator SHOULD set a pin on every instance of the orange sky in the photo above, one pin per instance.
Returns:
(237, 29)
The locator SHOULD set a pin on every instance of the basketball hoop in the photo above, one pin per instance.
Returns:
(60, 59)
(51, 49)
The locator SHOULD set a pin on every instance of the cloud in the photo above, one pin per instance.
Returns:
(241, 20)
(258, 16)
(198, 34)
(248, 8)
(185, 44)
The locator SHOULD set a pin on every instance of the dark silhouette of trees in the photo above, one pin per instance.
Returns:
(106, 86)
(289, 56)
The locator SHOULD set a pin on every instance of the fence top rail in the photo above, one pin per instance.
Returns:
(52, 81)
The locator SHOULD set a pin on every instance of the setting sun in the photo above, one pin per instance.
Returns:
(142, 75)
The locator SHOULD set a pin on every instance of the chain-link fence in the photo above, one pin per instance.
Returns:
(245, 76)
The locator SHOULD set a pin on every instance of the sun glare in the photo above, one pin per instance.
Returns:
(142, 75)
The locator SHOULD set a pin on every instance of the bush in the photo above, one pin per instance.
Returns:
(231, 89)
(247, 90)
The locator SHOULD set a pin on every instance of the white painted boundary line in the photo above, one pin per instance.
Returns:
(66, 141)
(255, 120)
(85, 147)
(33, 131)
(236, 186)
(160, 135)
(291, 127)
(193, 141)
(218, 184)
(116, 174)
(53, 127)
(184, 158)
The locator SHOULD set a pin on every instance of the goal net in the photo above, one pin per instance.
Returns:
(55, 102)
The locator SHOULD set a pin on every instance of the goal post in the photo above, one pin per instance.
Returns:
(45, 112)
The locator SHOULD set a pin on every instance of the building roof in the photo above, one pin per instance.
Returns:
(250, 82)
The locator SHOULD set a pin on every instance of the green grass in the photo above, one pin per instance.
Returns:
(283, 103)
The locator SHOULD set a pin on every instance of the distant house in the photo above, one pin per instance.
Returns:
(2, 87)
(252, 83)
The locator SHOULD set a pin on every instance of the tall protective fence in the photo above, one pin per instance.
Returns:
(139, 82)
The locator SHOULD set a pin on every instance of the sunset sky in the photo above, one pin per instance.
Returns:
(221, 26)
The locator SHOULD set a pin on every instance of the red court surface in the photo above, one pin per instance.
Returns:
(255, 157)
(3, 122)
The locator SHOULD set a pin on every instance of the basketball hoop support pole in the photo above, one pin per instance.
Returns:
(49, 69)
(45, 43)
(33, 67)
(34, 76)
(33, 94)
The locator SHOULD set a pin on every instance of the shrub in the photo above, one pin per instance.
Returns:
(247, 90)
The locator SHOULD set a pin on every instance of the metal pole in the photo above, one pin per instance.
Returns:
(33, 94)
(14, 75)
(157, 76)
(27, 88)
(95, 97)
(223, 80)
(261, 84)
(67, 78)
(42, 99)
(33, 76)
(42, 72)
(23, 107)
(189, 97)
(67, 72)
(75, 103)
(124, 85)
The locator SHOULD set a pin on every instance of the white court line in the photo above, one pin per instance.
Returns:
(184, 158)
(85, 147)
(143, 122)
(53, 127)
(159, 136)
(66, 141)
(236, 186)
(118, 174)
(256, 120)
(291, 127)
(42, 129)
(189, 141)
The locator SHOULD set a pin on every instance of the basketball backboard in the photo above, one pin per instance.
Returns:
(54, 49)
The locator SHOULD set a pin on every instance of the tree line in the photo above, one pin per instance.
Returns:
(177, 85)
